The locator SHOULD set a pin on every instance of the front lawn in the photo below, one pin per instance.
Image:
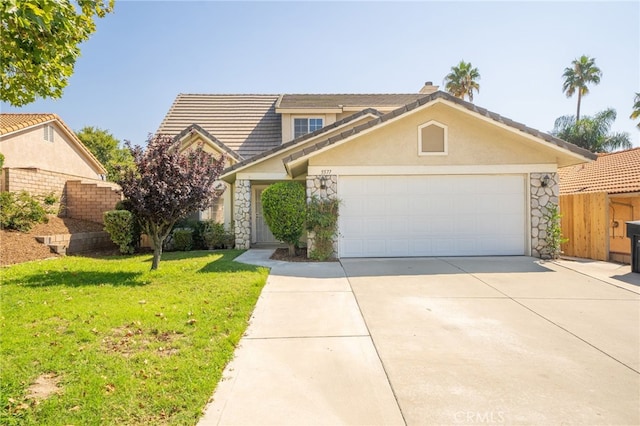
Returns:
(110, 342)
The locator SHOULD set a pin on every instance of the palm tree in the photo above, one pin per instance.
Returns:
(592, 133)
(462, 80)
(582, 72)
(636, 109)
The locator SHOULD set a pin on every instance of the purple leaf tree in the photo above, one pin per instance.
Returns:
(167, 185)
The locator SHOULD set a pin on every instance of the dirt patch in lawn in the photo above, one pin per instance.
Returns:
(44, 386)
(301, 256)
(129, 340)
(19, 247)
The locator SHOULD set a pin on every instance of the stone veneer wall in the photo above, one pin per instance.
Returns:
(242, 213)
(541, 197)
(330, 191)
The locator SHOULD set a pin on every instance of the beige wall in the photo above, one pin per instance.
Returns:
(275, 165)
(621, 210)
(470, 142)
(287, 122)
(224, 202)
(29, 149)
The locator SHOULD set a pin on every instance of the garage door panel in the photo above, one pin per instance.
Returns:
(394, 216)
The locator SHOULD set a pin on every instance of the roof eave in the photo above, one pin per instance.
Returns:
(580, 154)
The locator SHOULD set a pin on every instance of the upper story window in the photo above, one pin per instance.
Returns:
(48, 133)
(432, 139)
(302, 126)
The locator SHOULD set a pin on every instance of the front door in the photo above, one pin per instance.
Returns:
(262, 233)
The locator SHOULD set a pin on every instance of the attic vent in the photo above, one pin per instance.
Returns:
(48, 133)
(432, 139)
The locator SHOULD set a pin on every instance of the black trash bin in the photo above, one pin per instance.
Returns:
(633, 233)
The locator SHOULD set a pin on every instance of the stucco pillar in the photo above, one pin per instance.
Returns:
(542, 197)
(242, 213)
(324, 187)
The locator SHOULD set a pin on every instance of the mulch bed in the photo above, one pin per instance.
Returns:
(301, 256)
(18, 247)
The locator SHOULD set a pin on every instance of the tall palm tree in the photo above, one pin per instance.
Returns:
(462, 80)
(582, 71)
(592, 133)
(636, 109)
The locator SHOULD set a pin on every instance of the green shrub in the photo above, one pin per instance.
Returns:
(20, 211)
(216, 237)
(137, 225)
(197, 227)
(1, 160)
(119, 224)
(283, 207)
(322, 220)
(554, 237)
(183, 239)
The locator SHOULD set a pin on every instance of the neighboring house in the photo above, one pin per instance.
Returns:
(43, 156)
(422, 174)
(596, 200)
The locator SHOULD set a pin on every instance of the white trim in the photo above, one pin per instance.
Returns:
(445, 145)
(490, 169)
(263, 176)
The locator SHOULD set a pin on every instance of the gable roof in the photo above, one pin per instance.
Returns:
(247, 124)
(14, 122)
(613, 173)
(299, 140)
(340, 101)
(194, 128)
(10, 123)
(426, 99)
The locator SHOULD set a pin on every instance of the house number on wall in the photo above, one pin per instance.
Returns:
(325, 172)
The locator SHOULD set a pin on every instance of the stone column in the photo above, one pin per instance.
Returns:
(242, 213)
(541, 198)
(314, 189)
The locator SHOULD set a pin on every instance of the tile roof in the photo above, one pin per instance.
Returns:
(247, 124)
(432, 97)
(213, 139)
(613, 173)
(13, 122)
(310, 101)
(302, 138)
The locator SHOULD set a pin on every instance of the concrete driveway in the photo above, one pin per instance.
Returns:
(502, 340)
(507, 340)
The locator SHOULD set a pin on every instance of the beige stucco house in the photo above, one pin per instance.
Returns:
(422, 174)
(44, 156)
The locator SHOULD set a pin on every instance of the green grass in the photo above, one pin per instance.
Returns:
(128, 345)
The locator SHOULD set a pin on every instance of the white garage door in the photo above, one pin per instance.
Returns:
(395, 216)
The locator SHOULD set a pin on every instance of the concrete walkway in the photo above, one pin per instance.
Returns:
(307, 357)
(437, 341)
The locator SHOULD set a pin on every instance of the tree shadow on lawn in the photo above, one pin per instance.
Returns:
(226, 263)
(79, 279)
(169, 256)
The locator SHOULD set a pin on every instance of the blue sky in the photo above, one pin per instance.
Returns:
(147, 52)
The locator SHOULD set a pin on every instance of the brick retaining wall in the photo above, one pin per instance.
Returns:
(80, 198)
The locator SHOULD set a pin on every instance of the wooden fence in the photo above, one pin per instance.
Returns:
(585, 223)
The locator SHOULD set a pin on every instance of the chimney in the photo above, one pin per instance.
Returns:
(428, 88)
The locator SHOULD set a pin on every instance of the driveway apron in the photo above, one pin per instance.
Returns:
(508, 340)
(307, 357)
